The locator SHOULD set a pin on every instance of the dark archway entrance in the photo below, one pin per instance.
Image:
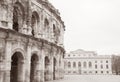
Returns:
(54, 68)
(34, 60)
(16, 72)
(46, 72)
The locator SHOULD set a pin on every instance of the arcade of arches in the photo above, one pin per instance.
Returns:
(27, 66)
(31, 41)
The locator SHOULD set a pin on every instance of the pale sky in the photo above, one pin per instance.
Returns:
(92, 25)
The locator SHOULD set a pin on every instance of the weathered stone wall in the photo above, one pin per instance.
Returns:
(30, 30)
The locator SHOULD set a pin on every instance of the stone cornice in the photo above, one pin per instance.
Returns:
(9, 32)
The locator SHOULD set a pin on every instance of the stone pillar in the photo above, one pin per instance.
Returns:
(2, 71)
(27, 71)
(7, 76)
(24, 29)
(42, 66)
(57, 67)
(7, 65)
(37, 72)
(51, 68)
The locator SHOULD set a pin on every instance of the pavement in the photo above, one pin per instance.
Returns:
(89, 78)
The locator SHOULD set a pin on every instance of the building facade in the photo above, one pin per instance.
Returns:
(31, 41)
(87, 63)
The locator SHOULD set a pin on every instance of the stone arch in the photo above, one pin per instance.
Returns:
(34, 22)
(34, 67)
(18, 16)
(17, 67)
(19, 50)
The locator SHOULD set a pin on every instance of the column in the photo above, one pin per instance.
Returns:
(42, 66)
(37, 72)
(7, 61)
(51, 68)
(27, 71)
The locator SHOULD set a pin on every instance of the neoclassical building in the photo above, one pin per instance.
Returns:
(82, 62)
(31, 41)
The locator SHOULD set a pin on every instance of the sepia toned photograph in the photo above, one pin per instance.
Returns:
(59, 40)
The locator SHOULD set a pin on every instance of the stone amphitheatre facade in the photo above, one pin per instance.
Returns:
(31, 41)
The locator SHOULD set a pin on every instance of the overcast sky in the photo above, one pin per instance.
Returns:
(92, 25)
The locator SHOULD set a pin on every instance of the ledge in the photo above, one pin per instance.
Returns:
(8, 31)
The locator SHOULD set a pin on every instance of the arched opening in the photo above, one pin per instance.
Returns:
(54, 67)
(74, 64)
(16, 73)
(46, 23)
(34, 22)
(54, 28)
(69, 65)
(34, 60)
(90, 64)
(18, 16)
(46, 72)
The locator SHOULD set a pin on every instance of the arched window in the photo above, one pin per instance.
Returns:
(34, 22)
(74, 64)
(18, 16)
(54, 29)
(90, 64)
(84, 64)
(101, 66)
(69, 64)
(107, 67)
(79, 64)
(46, 23)
(95, 66)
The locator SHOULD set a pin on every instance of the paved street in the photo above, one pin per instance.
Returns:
(90, 78)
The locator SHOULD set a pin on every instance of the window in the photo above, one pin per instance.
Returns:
(101, 71)
(69, 55)
(79, 64)
(85, 72)
(74, 71)
(101, 66)
(96, 72)
(69, 64)
(84, 64)
(90, 71)
(95, 66)
(69, 71)
(90, 64)
(46, 23)
(106, 61)
(108, 72)
(74, 64)
(107, 67)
